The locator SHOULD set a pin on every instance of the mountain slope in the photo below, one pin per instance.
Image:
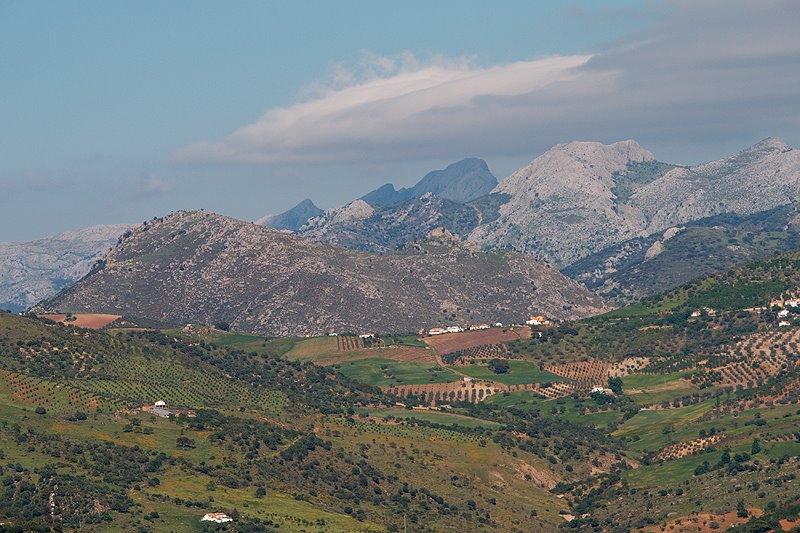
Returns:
(649, 265)
(292, 219)
(362, 227)
(203, 267)
(460, 182)
(33, 270)
(581, 197)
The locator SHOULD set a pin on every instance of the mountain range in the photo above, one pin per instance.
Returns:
(207, 268)
(610, 216)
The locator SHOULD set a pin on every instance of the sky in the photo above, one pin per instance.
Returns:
(115, 111)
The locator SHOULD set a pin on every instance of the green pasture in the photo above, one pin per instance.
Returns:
(387, 372)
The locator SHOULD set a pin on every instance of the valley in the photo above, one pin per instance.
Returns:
(616, 422)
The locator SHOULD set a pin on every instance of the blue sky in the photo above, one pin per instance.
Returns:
(120, 111)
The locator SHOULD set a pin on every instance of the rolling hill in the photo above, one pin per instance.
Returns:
(677, 412)
(202, 267)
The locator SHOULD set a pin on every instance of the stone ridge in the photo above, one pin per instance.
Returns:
(460, 182)
(206, 268)
(564, 205)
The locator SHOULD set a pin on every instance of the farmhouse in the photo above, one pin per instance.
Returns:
(537, 320)
(784, 323)
(367, 336)
(783, 313)
(219, 518)
(602, 390)
(454, 329)
(436, 331)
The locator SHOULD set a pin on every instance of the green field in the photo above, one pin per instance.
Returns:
(433, 416)
(386, 372)
(563, 408)
(649, 389)
(520, 372)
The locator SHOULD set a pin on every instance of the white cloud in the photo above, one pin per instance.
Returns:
(707, 70)
(153, 186)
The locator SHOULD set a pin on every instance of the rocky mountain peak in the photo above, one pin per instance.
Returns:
(293, 219)
(770, 144)
(461, 182)
(577, 167)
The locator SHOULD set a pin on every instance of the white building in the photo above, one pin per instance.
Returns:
(784, 323)
(219, 518)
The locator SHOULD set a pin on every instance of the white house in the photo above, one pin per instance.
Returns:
(160, 403)
(436, 331)
(783, 313)
(454, 329)
(537, 320)
(367, 336)
(784, 323)
(219, 518)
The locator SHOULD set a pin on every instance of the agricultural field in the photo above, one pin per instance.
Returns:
(83, 320)
(650, 389)
(519, 372)
(694, 421)
(381, 372)
(456, 342)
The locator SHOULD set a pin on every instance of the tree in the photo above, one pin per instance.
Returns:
(261, 492)
(499, 366)
(741, 510)
(755, 448)
(224, 326)
(615, 384)
(184, 442)
(40, 410)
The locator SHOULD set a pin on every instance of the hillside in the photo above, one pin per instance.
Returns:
(695, 427)
(383, 229)
(645, 266)
(201, 267)
(33, 270)
(581, 197)
(277, 444)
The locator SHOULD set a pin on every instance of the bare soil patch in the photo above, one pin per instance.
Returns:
(83, 320)
(456, 342)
